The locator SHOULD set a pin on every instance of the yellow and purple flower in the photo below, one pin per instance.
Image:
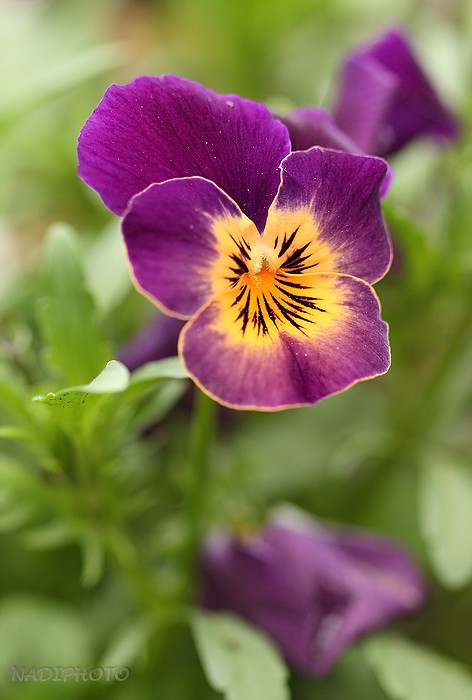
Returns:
(313, 589)
(385, 99)
(268, 254)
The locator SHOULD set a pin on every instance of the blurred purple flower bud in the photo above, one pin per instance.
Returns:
(156, 340)
(385, 100)
(313, 589)
(310, 126)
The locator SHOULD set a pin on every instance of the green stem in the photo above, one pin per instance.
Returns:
(418, 421)
(140, 580)
(447, 364)
(201, 436)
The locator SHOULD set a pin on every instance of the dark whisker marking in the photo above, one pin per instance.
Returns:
(304, 304)
(244, 312)
(236, 270)
(298, 307)
(297, 312)
(276, 242)
(295, 256)
(270, 311)
(297, 285)
(290, 315)
(302, 299)
(298, 270)
(287, 242)
(240, 295)
(259, 320)
(243, 247)
(298, 297)
(240, 263)
(241, 267)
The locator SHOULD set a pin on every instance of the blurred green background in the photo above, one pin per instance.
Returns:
(393, 454)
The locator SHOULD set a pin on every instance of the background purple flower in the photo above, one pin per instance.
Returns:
(313, 589)
(158, 339)
(385, 99)
(309, 126)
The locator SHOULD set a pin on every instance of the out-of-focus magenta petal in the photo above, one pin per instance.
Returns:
(155, 341)
(309, 126)
(313, 589)
(385, 99)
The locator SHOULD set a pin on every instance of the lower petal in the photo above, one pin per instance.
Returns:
(343, 342)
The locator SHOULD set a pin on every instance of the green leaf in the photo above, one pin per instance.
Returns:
(168, 368)
(93, 561)
(445, 513)
(40, 632)
(115, 378)
(158, 405)
(75, 346)
(78, 405)
(14, 397)
(50, 536)
(107, 269)
(408, 671)
(418, 254)
(127, 643)
(111, 380)
(40, 84)
(238, 659)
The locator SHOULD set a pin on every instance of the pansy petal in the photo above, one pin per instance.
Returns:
(289, 341)
(156, 341)
(310, 127)
(363, 582)
(366, 93)
(417, 109)
(328, 208)
(314, 589)
(176, 232)
(386, 100)
(157, 128)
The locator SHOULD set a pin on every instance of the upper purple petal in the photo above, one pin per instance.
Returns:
(314, 590)
(157, 128)
(310, 127)
(385, 98)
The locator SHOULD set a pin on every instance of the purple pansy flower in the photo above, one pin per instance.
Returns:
(313, 589)
(385, 100)
(268, 254)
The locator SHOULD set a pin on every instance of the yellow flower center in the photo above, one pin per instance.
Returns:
(266, 281)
